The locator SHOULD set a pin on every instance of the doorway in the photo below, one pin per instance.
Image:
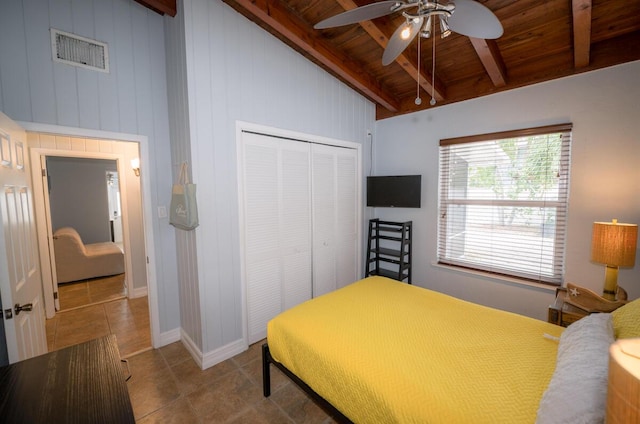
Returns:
(132, 220)
(44, 140)
(85, 215)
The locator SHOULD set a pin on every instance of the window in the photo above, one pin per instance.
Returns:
(503, 202)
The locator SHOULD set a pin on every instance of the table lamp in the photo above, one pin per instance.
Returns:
(614, 245)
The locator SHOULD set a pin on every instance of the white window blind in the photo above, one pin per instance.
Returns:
(503, 202)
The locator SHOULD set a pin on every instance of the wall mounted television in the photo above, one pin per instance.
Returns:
(394, 191)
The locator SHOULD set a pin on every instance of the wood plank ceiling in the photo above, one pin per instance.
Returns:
(542, 40)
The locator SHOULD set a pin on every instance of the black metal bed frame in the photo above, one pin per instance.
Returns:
(266, 386)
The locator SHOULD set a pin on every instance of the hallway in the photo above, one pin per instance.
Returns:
(128, 319)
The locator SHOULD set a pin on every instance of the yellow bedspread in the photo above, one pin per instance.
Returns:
(382, 351)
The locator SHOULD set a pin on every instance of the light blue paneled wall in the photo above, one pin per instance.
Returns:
(237, 71)
(190, 317)
(130, 99)
(605, 175)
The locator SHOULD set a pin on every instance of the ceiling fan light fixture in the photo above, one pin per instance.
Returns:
(471, 19)
(406, 33)
(426, 29)
(445, 31)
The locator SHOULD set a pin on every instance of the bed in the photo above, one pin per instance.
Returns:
(381, 351)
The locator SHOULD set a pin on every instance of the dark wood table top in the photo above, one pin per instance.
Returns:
(84, 383)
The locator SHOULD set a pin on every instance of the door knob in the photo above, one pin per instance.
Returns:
(26, 307)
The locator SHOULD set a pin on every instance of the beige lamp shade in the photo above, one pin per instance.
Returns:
(614, 244)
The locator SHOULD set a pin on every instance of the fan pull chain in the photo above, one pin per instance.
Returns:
(418, 99)
(433, 73)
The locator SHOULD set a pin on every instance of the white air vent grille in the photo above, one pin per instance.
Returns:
(79, 51)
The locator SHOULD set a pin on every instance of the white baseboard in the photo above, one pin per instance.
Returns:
(139, 292)
(214, 357)
(168, 337)
(204, 360)
(193, 349)
(223, 353)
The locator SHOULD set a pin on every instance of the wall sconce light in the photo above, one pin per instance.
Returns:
(614, 245)
(135, 164)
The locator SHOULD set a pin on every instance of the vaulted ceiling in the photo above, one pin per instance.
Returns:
(542, 40)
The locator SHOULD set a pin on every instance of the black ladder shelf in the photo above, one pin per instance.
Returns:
(389, 243)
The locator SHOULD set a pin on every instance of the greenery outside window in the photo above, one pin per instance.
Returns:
(503, 202)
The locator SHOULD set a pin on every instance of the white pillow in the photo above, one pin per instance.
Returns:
(577, 392)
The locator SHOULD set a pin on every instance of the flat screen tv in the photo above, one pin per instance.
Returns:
(394, 191)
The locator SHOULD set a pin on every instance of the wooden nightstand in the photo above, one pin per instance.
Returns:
(563, 313)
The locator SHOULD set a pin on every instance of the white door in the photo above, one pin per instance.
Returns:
(276, 225)
(20, 284)
(336, 217)
(48, 267)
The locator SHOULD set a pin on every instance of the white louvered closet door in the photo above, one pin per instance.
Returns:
(335, 217)
(277, 227)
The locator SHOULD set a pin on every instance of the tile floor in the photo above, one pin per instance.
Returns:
(128, 319)
(166, 384)
(168, 387)
(88, 292)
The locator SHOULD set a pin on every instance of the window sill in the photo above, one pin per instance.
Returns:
(503, 279)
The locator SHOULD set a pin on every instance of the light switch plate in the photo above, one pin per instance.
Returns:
(162, 212)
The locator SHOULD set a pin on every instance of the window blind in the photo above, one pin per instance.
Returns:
(503, 202)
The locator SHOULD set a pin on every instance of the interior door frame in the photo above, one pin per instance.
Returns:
(43, 219)
(145, 190)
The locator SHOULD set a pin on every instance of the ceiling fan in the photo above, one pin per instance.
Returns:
(466, 17)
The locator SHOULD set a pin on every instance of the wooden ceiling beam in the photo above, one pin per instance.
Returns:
(491, 59)
(160, 6)
(410, 68)
(275, 18)
(581, 10)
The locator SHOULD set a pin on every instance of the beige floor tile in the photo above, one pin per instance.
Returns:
(151, 393)
(297, 405)
(229, 393)
(264, 411)
(105, 289)
(254, 352)
(151, 386)
(175, 353)
(147, 364)
(222, 400)
(80, 325)
(189, 376)
(253, 370)
(87, 292)
(73, 295)
(177, 412)
(129, 321)
(130, 344)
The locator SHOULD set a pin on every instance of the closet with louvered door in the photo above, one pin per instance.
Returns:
(299, 223)
(336, 217)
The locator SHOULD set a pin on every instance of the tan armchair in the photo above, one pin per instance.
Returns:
(77, 261)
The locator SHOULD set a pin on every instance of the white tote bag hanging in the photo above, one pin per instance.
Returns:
(184, 210)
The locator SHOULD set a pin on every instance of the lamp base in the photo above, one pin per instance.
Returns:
(590, 301)
(610, 283)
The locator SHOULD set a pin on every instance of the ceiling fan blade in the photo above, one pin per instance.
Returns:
(359, 14)
(475, 20)
(397, 43)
